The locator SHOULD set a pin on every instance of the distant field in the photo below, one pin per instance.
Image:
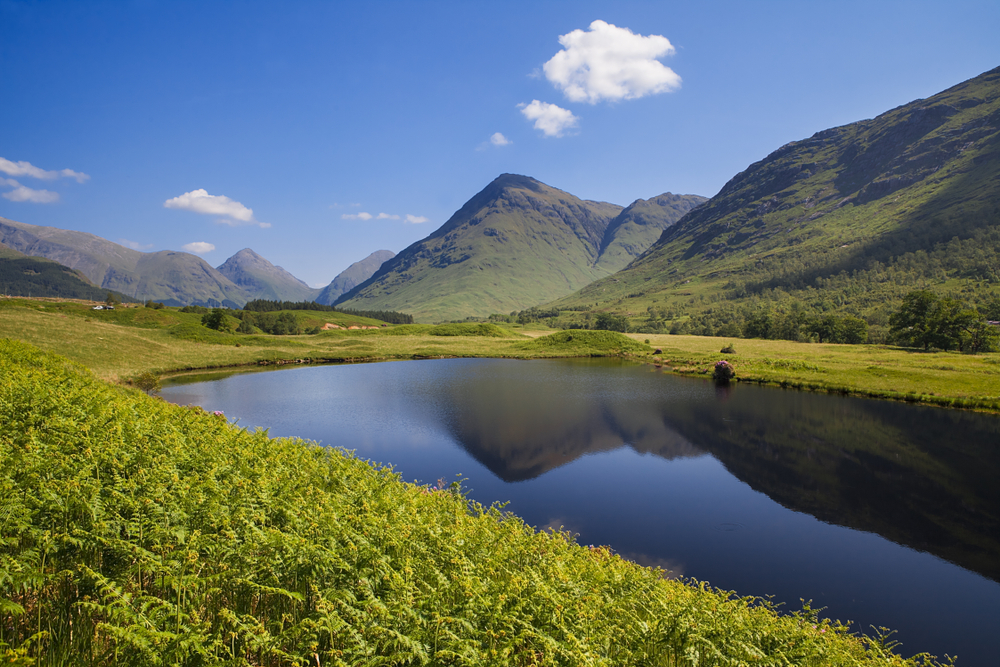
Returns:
(120, 344)
(941, 378)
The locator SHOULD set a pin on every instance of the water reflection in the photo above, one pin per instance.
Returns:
(921, 477)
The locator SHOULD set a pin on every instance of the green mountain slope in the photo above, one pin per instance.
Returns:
(848, 221)
(354, 275)
(516, 243)
(21, 275)
(640, 225)
(262, 280)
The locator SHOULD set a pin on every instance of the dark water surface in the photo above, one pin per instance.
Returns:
(884, 513)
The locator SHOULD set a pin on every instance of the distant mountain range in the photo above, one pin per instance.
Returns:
(173, 278)
(515, 244)
(848, 221)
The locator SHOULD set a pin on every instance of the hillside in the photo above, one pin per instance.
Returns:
(174, 278)
(352, 276)
(21, 275)
(846, 221)
(263, 280)
(516, 243)
(640, 225)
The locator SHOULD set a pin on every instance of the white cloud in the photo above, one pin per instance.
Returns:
(198, 247)
(387, 216)
(498, 139)
(549, 118)
(28, 169)
(416, 219)
(356, 216)
(24, 193)
(199, 201)
(611, 63)
(135, 245)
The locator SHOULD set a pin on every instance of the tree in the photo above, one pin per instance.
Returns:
(217, 320)
(949, 322)
(111, 300)
(911, 325)
(981, 337)
(147, 382)
(609, 322)
(854, 330)
(828, 328)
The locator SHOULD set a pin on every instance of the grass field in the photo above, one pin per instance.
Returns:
(120, 344)
(939, 378)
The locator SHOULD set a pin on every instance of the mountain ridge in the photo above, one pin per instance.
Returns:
(832, 222)
(511, 245)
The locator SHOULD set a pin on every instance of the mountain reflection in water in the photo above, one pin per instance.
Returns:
(673, 472)
(921, 477)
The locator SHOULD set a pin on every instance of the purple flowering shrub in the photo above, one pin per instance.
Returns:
(723, 371)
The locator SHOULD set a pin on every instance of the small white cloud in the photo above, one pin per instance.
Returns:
(198, 247)
(554, 121)
(264, 225)
(416, 219)
(499, 140)
(28, 169)
(199, 201)
(24, 193)
(611, 63)
(356, 216)
(386, 216)
(135, 245)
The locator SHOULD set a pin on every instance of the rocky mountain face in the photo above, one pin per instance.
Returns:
(354, 275)
(263, 280)
(515, 244)
(857, 198)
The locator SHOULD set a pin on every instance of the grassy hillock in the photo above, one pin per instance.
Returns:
(845, 222)
(135, 532)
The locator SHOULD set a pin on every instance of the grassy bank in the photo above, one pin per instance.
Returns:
(123, 343)
(948, 379)
(135, 532)
(120, 344)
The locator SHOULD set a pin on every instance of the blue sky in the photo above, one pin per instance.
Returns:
(277, 126)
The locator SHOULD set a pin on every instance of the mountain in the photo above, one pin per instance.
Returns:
(640, 225)
(263, 280)
(21, 275)
(515, 244)
(848, 220)
(353, 276)
(174, 278)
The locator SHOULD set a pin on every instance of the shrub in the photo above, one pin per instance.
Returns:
(723, 372)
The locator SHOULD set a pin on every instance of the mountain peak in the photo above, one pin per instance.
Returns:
(263, 279)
